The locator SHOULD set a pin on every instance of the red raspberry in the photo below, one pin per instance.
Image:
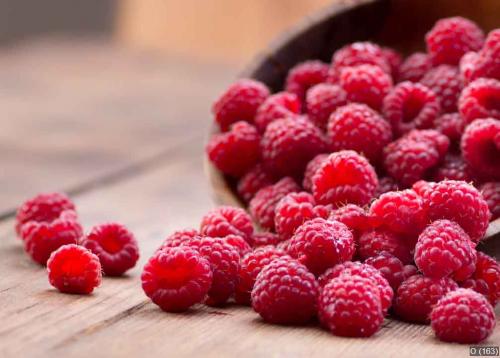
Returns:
(176, 278)
(451, 125)
(432, 137)
(45, 207)
(481, 147)
(305, 75)
(486, 278)
(415, 67)
(463, 316)
(350, 306)
(239, 243)
(115, 246)
(459, 202)
(453, 168)
(385, 185)
(74, 269)
(447, 84)
(394, 59)
(181, 238)
(485, 63)
(417, 295)
(344, 177)
(251, 265)
(358, 127)
(227, 220)
(285, 292)
(480, 100)
(411, 106)
(263, 204)
(239, 102)
(235, 152)
(468, 67)
(320, 244)
(491, 193)
(353, 216)
(264, 239)
(391, 268)
(322, 100)
(422, 187)
(372, 243)
(254, 180)
(451, 38)
(278, 106)
(311, 169)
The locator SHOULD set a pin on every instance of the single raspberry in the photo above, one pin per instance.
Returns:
(350, 306)
(181, 238)
(393, 270)
(422, 187)
(74, 269)
(451, 38)
(372, 243)
(453, 168)
(263, 204)
(322, 100)
(354, 217)
(239, 102)
(311, 168)
(481, 147)
(115, 246)
(344, 177)
(394, 59)
(265, 238)
(446, 82)
(235, 152)
(486, 278)
(289, 144)
(254, 180)
(227, 220)
(468, 67)
(459, 202)
(411, 106)
(239, 243)
(485, 62)
(417, 295)
(451, 125)
(292, 211)
(463, 316)
(45, 207)
(358, 127)
(491, 193)
(176, 278)
(480, 99)
(415, 67)
(432, 137)
(385, 185)
(320, 244)
(278, 106)
(305, 75)
(285, 292)
(251, 265)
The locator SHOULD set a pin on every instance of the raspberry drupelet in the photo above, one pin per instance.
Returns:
(227, 220)
(278, 106)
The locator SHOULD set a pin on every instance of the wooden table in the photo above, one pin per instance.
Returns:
(123, 132)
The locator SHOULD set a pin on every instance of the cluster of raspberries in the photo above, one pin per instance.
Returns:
(52, 235)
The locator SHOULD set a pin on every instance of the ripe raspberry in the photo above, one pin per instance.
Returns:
(320, 244)
(344, 177)
(485, 62)
(311, 168)
(285, 292)
(278, 106)
(350, 306)
(235, 152)
(239, 102)
(417, 295)
(239, 243)
(251, 265)
(289, 144)
(481, 147)
(264, 239)
(45, 207)
(227, 220)
(491, 193)
(322, 100)
(292, 211)
(372, 243)
(115, 246)
(422, 187)
(453, 168)
(74, 269)
(181, 238)
(394, 59)
(463, 316)
(352, 216)
(447, 84)
(305, 75)
(486, 278)
(480, 100)
(263, 204)
(411, 106)
(254, 180)
(391, 268)
(451, 38)
(358, 127)
(385, 185)
(176, 278)
(468, 67)
(451, 125)
(432, 137)
(459, 202)
(415, 67)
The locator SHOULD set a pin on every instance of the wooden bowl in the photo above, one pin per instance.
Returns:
(401, 24)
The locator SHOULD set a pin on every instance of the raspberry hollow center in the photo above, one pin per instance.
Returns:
(111, 243)
(412, 108)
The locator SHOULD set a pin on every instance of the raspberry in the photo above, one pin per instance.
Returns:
(422, 187)
(491, 193)
(453, 168)
(263, 204)
(42, 238)
(74, 269)
(352, 216)
(394, 60)
(305, 75)
(344, 177)
(239, 102)
(264, 239)
(451, 125)
(45, 207)
(320, 244)
(447, 84)
(385, 185)
(480, 99)
(254, 180)
(251, 265)
(486, 278)
(415, 67)
(278, 106)
(311, 169)
(227, 220)
(417, 295)
(411, 106)
(451, 38)
(322, 100)
(289, 144)
(235, 152)
(391, 268)
(115, 246)
(239, 243)
(463, 316)
(372, 243)
(366, 84)
(285, 292)
(459, 202)
(485, 63)
(468, 67)
(358, 127)
(432, 137)
(176, 278)
(481, 147)
(181, 238)
(350, 306)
